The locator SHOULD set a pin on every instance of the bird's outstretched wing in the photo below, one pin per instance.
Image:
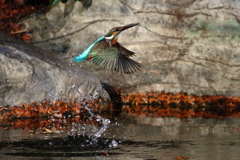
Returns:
(114, 58)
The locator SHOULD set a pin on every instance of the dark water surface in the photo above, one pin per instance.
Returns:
(131, 138)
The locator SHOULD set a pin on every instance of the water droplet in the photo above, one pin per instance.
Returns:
(105, 95)
(114, 143)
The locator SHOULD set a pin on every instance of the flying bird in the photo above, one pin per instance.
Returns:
(109, 54)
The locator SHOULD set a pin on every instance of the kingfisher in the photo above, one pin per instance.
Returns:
(109, 54)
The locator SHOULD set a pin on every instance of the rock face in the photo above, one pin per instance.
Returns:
(30, 74)
(190, 45)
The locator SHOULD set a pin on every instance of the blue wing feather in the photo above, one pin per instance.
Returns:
(84, 55)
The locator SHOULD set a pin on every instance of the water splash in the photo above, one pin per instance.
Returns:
(96, 132)
(105, 123)
(93, 126)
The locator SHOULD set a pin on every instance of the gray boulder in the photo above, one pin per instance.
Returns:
(30, 74)
(189, 45)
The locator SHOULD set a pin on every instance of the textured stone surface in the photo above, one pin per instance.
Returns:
(190, 45)
(30, 74)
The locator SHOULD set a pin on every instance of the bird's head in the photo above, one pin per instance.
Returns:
(114, 32)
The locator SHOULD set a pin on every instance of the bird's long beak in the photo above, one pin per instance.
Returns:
(128, 26)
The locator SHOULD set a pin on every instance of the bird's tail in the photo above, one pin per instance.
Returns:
(79, 59)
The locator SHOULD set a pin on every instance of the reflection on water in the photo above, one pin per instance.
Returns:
(137, 138)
